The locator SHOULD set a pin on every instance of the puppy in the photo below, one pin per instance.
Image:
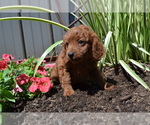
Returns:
(77, 61)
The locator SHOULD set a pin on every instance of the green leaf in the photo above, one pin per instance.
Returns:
(8, 95)
(6, 79)
(6, 72)
(1, 109)
(133, 74)
(1, 118)
(139, 65)
(106, 44)
(140, 48)
(6, 75)
(1, 77)
(44, 55)
(35, 19)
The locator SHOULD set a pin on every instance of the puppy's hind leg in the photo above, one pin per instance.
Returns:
(99, 80)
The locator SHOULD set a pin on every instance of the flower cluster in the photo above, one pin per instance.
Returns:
(16, 78)
(3, 62)
(43, 84)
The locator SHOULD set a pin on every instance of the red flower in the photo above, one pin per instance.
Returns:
(41, 70)
(21, 79)
(3, 65)
(7, 57)
(23, 61)
(34, 79)
(49, 65)
(17, 89)
(43, 84)
(33, 87)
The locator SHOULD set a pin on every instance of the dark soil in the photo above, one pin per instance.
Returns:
(127, 96)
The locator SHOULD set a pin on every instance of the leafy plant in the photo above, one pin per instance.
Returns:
(40, 9)
(29, 78)
(130, 33)
(17, 81)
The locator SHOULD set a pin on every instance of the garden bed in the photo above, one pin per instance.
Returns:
(127, 96)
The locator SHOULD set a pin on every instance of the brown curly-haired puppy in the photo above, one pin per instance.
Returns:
(77, 61)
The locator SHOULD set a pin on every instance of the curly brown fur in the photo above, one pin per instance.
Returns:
(77, 61)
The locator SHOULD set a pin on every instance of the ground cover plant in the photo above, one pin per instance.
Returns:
(17, 80)
(29, 78)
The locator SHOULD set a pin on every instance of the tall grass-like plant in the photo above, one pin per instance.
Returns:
(130, 38)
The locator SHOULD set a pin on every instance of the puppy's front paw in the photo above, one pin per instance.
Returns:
(69, 92)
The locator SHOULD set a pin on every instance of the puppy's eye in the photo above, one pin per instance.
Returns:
(80, 42)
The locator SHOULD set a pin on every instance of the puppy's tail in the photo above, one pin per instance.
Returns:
(108, 86)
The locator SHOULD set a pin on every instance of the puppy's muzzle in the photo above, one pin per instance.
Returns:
(71, 54)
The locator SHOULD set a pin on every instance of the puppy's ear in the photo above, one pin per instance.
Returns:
(98, 49)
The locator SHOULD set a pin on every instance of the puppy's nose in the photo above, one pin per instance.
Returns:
(71, 54)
